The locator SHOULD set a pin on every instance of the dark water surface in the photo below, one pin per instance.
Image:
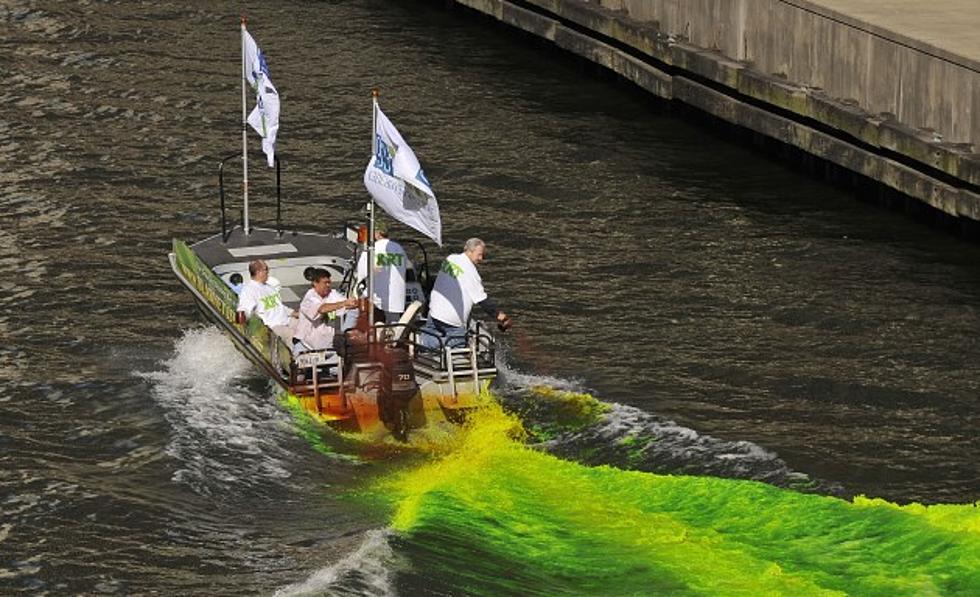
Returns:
(644, 259)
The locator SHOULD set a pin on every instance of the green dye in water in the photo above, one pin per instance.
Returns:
(496, 517)
(489, 515)
(548, 412)
(306, 426)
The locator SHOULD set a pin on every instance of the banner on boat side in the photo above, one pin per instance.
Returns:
(223, 299)
(264, 118)
(395, 179)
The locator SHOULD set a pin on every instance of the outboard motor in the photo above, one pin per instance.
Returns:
(398, 388)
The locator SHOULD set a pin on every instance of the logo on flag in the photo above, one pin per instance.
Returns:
(384, 156)
(264, 118)
(395, 179)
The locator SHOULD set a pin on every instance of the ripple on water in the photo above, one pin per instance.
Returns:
(368, 570)
(628, 437)
(33, 20)
(223, 435)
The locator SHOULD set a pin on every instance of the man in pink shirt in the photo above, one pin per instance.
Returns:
(320, 313)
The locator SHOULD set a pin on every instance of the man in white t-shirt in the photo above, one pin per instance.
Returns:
(320, 313)
(390, 263)
(262, 298)
(458, 287)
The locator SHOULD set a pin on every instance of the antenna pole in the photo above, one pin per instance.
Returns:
(244, 136)
(370, 260)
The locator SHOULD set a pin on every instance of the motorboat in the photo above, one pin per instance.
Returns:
(382, 378)
(375, 376)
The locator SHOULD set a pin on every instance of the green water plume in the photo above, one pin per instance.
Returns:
(495, 517)
(547, 412)
(432, 440)
(306, 426)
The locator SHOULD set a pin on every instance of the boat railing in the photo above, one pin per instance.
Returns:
(226, 228)
(326, 369)
(472, 358)
(424, 346)
(358, 345)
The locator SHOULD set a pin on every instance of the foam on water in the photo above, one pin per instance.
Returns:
(366, 571)
(223, 435)
(632, 438)
(628, 437)
(509, 378)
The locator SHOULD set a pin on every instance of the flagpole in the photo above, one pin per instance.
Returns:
(244, 136)
(370, 261)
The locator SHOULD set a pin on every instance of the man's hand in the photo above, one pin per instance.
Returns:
(503, 322)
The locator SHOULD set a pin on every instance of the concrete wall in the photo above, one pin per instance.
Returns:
(885, 108)
(812, 45)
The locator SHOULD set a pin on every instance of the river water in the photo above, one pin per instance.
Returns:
(756, 323)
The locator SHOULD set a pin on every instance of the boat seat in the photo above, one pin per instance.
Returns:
(313, 358)
(401, 326)
(325, 360)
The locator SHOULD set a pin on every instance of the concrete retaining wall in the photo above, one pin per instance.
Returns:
(810, 44)
(893, 109)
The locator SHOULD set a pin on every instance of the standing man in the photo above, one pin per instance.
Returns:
(390, 263)
(321, 310)
(458, 287)
(260, 297)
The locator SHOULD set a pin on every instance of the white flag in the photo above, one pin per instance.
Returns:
(265, 116)
(392, 166)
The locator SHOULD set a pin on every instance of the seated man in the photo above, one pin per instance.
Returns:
(320, 313)
(260, 297)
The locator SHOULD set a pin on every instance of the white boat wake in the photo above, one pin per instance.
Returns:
(631, 438)
(368, 570)
(223, 435)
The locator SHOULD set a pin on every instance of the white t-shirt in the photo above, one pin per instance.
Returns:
(314, 329)
(390, 263)
(458, 287)
(264, 299)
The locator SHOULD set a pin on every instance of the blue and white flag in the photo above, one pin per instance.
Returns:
(395, 179)
(265, 116)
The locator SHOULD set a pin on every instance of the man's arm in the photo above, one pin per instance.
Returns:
(331, 307)
(246, 301)
(490, 307)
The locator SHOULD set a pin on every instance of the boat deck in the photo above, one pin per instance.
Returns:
(288, 255)
(263, 243)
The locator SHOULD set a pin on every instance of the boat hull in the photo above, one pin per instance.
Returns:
(352, 404)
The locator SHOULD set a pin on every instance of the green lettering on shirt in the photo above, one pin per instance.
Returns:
(452, 269)
(270, 301)
(384, 259)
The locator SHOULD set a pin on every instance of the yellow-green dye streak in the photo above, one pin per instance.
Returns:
(307, 426)
(547, 412)
(495, 517)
